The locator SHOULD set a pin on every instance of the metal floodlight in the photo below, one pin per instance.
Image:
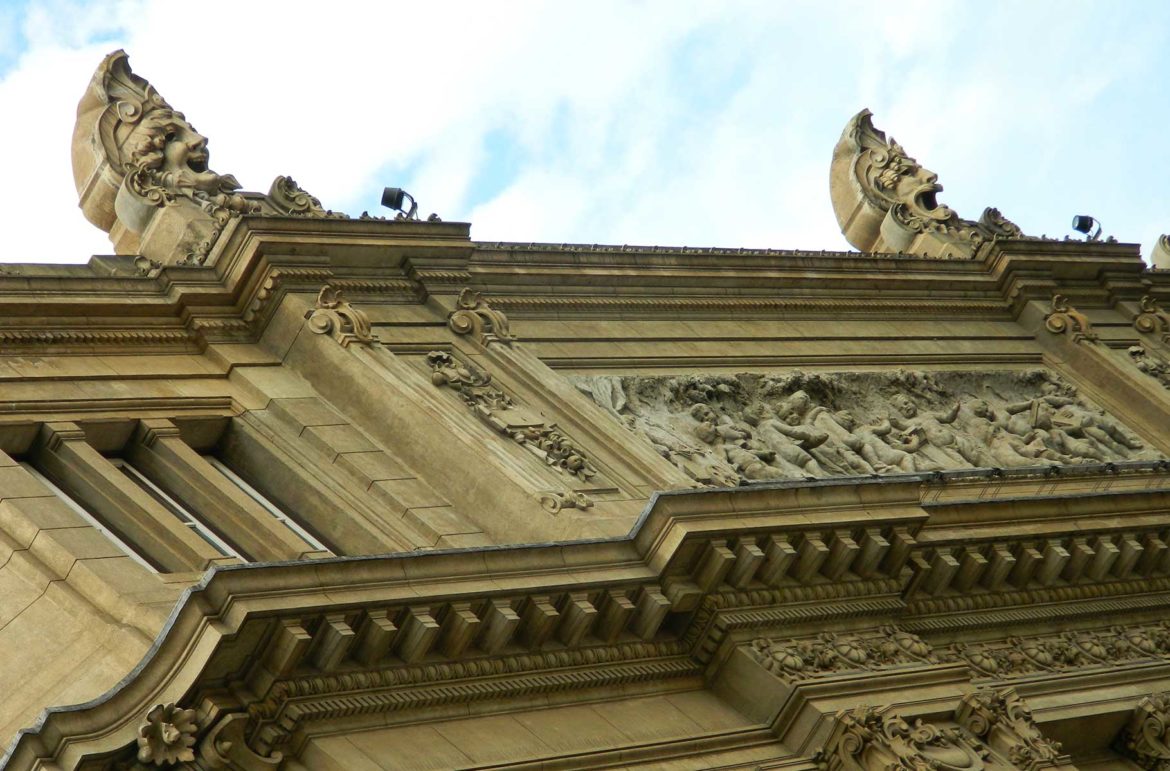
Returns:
(1083, 223)
(395, 198)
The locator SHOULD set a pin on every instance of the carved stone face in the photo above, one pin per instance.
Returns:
(904, 405)
(703, 413)
(905, 182)
(185, 157)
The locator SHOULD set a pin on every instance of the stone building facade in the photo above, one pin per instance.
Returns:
(285, 489)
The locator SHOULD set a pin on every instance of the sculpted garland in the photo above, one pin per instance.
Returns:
(728, 430)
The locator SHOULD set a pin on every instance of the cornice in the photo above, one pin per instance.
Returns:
(699, 567)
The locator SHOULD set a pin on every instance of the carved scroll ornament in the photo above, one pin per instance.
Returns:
(1151, 319)
(334, 316)
(878, 739)
(885, 201)
(1065, 319)
(474, 315)
(1146, 738)
(1003, 721)
(288, 198)
(496, 408)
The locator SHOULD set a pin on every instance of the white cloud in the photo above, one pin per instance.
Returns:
(660, 122)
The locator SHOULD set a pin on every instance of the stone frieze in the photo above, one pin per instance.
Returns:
(739, 429)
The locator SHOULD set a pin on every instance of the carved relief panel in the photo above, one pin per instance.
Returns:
(737, 429)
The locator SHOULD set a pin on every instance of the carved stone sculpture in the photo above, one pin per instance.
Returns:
(473, 315)
(142, 174)
(1065, 319)
(167, 736)
(746, 428)
(878, 739)
(334, 316)
(1002, 721)
(496, 408)
(1146, 738)
(1154, 367)
(886, 202)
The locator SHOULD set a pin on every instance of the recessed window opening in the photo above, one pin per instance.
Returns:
(178, 510)
(267, 505)
(90, 518)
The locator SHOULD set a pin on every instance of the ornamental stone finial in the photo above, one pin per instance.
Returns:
(142, 173)
(885, 201)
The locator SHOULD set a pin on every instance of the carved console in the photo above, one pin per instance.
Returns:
(1146, 737)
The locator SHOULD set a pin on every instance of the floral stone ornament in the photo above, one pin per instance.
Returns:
(167, 736)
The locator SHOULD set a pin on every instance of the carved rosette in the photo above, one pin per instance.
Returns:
(476, 317)
(168, 736)
(496, 408)
(1065, 319)
(1146, 738)
(334, 316)
(878, 739)
(1003, 721)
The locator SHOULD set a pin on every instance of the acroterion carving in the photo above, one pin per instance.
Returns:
(885, 200)
(475, 316)
(334, 316)
(287, 197)
(135, 157)
(1001, 720)
(1065, 319)
(496, 408)
(142, 173)
(878, 739)
(740, 429)
(1146, 737)
(167, 736)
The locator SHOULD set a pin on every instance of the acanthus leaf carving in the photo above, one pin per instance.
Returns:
(290, 199)
(878, 739)
(335, 316)
(474, 315)
(831, 653)
(1065, 319)
(1146, 737)
(495, 408)
(1002, 720)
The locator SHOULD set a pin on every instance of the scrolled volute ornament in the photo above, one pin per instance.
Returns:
(473, 315)
(167, 736)
(878, 739)
(1002, 720)
(1065, 319)
(225, 747)
(290, 199)
(334, 316)
(1152, 319)
(1146, 737)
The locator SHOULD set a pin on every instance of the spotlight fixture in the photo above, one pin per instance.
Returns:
(1083, 223)
(395, 198)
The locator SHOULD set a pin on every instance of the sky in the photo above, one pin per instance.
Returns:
(669, 123)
